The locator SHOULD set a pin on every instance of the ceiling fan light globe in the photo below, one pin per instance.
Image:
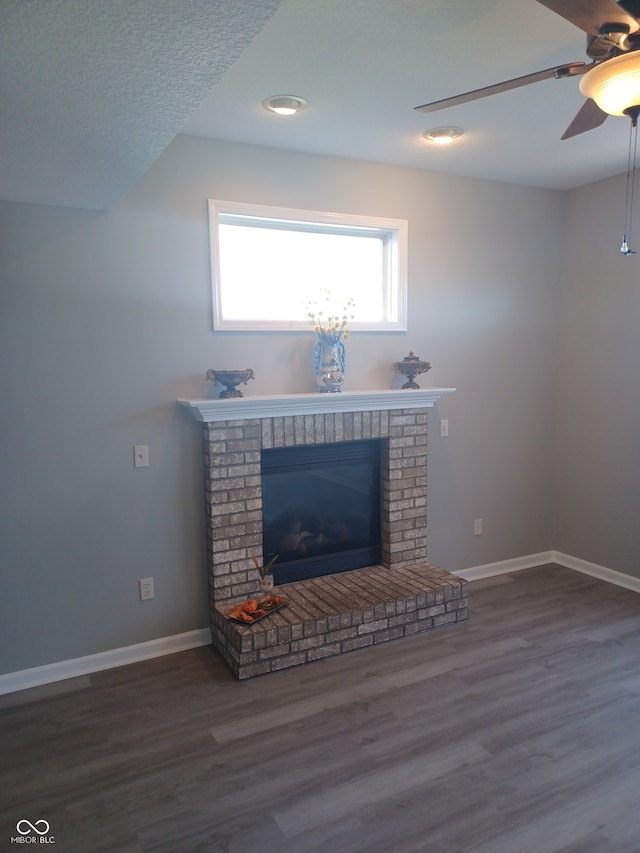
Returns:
(615, 84)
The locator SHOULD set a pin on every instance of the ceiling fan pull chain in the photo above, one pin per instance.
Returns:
(634, 129)
(631, 180)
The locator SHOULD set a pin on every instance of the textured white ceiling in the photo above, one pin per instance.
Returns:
(92, 91)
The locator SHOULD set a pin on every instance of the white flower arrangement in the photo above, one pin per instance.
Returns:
(332, 325)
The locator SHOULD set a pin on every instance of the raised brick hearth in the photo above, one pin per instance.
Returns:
(335, 613)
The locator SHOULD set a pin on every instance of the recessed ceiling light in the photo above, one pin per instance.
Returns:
(284, 105)
(443, 135)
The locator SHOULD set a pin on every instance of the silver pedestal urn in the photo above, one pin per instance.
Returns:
(230, 379)
(410, 367)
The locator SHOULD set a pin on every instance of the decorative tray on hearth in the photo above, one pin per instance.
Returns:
(255, 609)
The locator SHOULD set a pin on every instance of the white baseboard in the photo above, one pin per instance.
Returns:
(504, 567)
(49, 673)
(596, 571)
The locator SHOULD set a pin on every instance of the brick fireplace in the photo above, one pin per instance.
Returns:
(335, 613)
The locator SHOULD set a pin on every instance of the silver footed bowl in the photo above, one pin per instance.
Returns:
(230, 379)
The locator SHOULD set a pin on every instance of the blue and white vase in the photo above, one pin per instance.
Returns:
(329, 362)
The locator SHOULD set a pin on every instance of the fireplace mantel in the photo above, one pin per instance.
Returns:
(280, 405)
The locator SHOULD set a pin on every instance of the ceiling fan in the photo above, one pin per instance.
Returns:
(611, 81)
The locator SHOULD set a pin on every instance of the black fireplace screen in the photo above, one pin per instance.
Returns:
(321, 508)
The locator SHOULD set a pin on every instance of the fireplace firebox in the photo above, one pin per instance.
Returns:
(321, 508)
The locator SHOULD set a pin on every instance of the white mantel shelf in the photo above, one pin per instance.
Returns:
(279, 405)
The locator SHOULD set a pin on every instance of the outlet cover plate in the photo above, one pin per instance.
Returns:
(146, 589)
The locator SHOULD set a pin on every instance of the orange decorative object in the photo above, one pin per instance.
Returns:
(243, 617)
(251, 610)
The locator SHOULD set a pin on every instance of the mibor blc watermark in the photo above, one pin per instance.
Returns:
(37, 832)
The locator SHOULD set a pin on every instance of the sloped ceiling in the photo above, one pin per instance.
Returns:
(94, 90)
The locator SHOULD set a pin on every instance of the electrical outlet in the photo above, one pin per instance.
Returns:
(141, 456)
(477, 526)
(444, 427)
(146, 589)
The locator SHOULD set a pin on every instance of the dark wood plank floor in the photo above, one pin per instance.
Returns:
(516, 731)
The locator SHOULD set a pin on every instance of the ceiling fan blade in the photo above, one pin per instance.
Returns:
(570, 70)
(631, 7)
(589, 116)
(590, 15)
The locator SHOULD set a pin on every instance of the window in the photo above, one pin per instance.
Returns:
(269, 264)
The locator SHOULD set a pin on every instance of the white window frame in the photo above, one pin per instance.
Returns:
(393, 232)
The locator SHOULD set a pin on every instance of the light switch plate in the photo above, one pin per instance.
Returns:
(141, 456)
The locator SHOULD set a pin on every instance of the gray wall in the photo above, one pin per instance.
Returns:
(105, 322)
(597, 495)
